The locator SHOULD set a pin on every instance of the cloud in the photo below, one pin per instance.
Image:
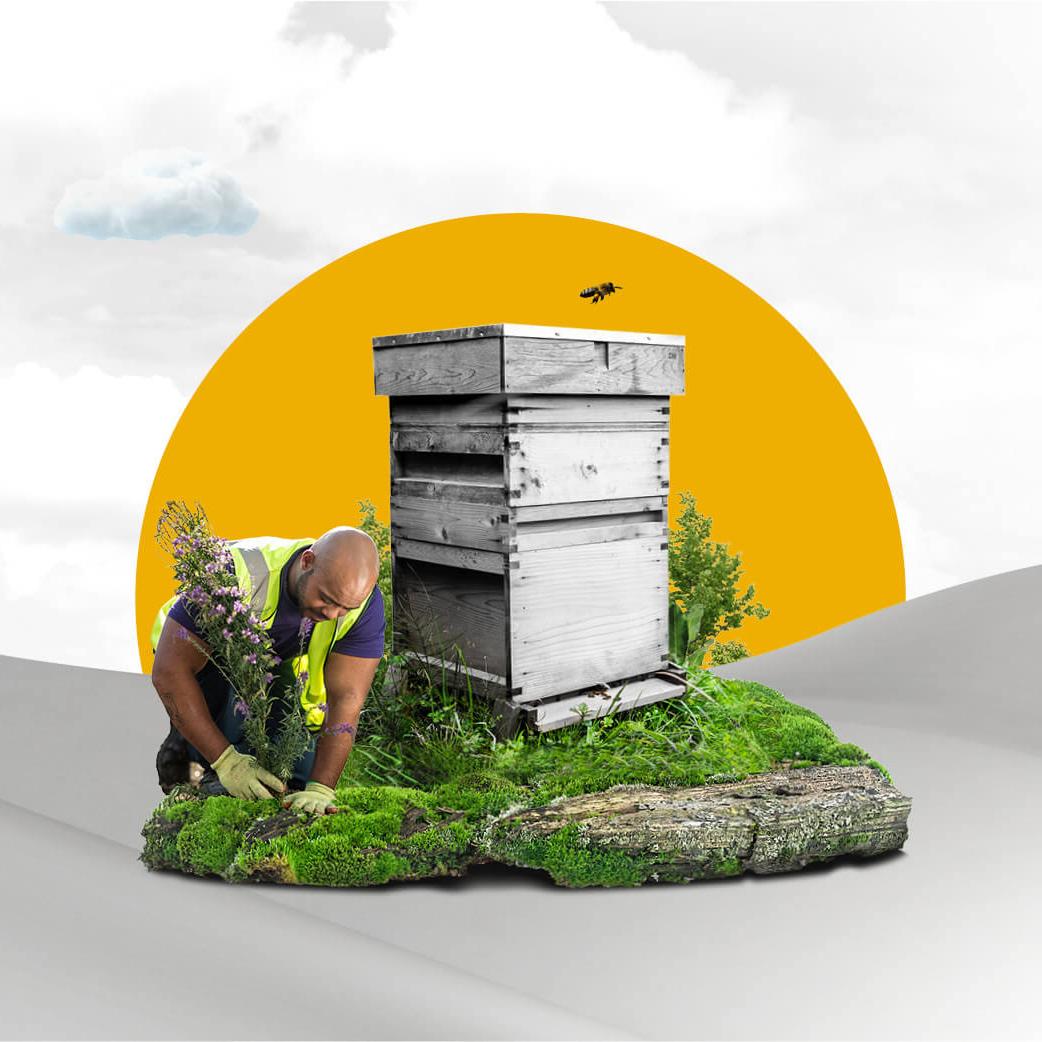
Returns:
(86, 438)
(139, 308)
(877, 193)
(931, 556)
(362, 23)
(68, 600)
(154, 194)
(79, 456)
(479, 107)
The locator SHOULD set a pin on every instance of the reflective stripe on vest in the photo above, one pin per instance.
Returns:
(258, 573)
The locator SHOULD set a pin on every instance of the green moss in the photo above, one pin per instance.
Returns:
(181, 811)
(478, 794)
(882, 770)
(333, 860)
(363, 844)
(163, 828)
(572, 861)
(209, 839)
(728, 866)
(375, 828)
(801, 737)
(847, 751)
(160, 844)
(274, 869)
(855, 839)
(386, 799)
(455, 837)
(725, 730)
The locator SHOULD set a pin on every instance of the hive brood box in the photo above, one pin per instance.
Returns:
(529, 486)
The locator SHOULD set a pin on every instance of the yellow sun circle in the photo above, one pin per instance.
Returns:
(286, 435)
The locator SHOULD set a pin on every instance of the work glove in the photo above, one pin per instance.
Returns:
(315, 799)
(243, 777)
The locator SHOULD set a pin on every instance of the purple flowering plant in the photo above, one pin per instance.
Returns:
(239, 645)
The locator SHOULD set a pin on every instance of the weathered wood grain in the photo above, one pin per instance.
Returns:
(488, 441)
(449, 491)
(573, 466)
(583, 409)
(500, 329)
(765, 824)
(481, 682)
(525, 539)
(594, 703)
(449, 522)
(509, 442)
(450, 411)
(582, 615)
(461, 411)
(584, 522)
(465, 367)
(468, 468)
(453, 556)
(591, 367)
(587, 508)
(437, 607)
(529, 365)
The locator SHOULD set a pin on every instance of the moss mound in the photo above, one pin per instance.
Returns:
(379, 834)
(723, 730)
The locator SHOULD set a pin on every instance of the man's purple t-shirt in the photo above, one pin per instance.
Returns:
(365, 639)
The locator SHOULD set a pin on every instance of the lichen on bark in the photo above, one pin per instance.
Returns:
(774, 822)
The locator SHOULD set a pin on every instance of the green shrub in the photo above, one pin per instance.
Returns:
(704, 580)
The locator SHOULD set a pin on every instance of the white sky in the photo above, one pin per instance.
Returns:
(872, 170)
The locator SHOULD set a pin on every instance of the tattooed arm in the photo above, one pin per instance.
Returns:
(348, 680)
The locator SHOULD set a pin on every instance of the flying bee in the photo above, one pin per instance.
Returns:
(600, 292)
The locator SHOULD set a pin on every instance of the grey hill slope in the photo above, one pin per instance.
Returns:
(942, 688)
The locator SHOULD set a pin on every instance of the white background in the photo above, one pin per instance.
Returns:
(872, 170)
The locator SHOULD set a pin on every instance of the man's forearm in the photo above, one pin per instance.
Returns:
(183, 700)
(336, 740)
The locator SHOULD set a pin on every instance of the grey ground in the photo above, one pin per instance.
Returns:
(940, 940)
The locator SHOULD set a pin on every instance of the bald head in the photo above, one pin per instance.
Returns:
(350, 550)
(336, 574)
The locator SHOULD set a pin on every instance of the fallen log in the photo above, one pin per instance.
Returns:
(766, 823)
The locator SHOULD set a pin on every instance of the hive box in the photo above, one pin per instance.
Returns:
(529, 484)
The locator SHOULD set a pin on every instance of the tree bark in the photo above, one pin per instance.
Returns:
(767, 823)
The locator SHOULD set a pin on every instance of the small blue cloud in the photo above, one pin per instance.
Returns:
(155, 194)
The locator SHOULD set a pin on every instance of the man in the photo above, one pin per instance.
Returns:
(325, 617)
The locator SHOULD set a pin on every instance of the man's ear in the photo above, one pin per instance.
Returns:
(307, 559)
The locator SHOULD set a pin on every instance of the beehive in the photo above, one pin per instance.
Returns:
(529, 484)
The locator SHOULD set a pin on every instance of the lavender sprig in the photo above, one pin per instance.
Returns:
(294, 738)
(239, 645)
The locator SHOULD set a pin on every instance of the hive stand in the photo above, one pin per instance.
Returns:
(529, 525)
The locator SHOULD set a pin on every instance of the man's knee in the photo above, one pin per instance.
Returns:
(172, 760)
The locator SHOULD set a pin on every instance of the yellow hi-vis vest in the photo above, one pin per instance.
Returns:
(258, 571)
